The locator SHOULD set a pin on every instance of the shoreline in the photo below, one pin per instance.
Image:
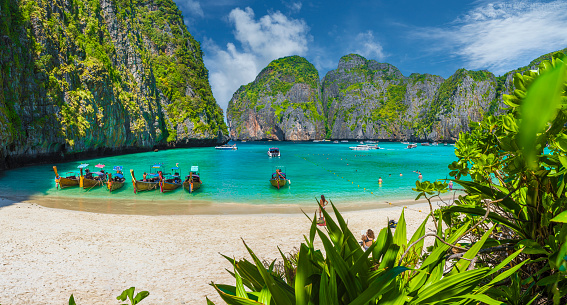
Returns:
(151, 208)
(94, 256)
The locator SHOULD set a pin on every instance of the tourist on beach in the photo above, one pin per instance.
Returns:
(380, 180)
(145, 177)
(322, 204)
(367, 239)
(450, 185)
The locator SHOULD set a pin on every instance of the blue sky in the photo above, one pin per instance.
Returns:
(240, 37)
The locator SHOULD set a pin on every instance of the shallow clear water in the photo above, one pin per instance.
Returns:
(242, 176)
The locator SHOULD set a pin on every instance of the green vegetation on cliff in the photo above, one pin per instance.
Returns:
(108, 73)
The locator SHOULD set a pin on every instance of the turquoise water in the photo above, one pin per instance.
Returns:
(242, 176)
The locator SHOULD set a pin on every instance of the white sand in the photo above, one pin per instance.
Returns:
(48, 254)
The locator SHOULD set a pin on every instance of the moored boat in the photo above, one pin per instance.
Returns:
(149, 181)
(90, 179)
(279, 177)
(424, 144)
(274, 152)
(70, 179)
(117, 181)
(170, 182)
(193, 180)
(410, 146)
(344, 141)
(335, 141)
(227, 147)
(360, 147)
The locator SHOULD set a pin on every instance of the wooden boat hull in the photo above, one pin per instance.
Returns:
(88, 183)
(278, 182)
(167, 186)
(67, 182)
(146, 186)
(187, 186)
(114, 185)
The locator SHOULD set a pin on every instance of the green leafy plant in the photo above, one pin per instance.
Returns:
(517, 163)
(126, 294)
(390, 271)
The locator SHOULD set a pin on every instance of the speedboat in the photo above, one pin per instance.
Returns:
(424, 144)
(374, 146)
(227, 147)
(344, 141)
(274, 152)
(413, 145)
(360, 147)
(405, 143)
(335, 141)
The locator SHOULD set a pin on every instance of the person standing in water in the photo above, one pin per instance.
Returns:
(380, 180)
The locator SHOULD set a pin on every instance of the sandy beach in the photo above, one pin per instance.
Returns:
(47, 254)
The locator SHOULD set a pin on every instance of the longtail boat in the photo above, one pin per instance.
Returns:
(170, 182)
(193, 180)
(279, 178)
(117, 181)
(70, 179)
(149, 181)
(90, 179)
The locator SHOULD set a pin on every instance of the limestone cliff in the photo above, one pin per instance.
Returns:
(100, 76)
(363, 99)
(282, 103)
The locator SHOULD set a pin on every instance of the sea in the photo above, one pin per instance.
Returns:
(345, 176)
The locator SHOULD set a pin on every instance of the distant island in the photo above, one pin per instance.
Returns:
(363, 99)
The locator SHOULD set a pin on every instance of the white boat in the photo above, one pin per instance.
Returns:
(316, 141)
(424, 144)
(405, 143)
(274, 152)
(374, 146)
(227, 147)
(434, 144)
(372, 142)
(344, 141)
(410, 146)
(335, 141)
(360, 147)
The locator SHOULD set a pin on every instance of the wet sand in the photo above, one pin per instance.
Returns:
(48, 253)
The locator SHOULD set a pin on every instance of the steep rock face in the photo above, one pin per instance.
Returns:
(282, 103)
(371, 100)
(100, 76)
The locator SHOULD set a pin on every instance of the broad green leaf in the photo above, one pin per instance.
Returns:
(379, 286)
(209, 302)
(389, 259)
(234, 300)
(340, 266)
(72, 300)
(483, 298)
(539, 106)
(303, 272)
(531, 247)
(464, 262)
(479, 211)
(400, 236)
(382, 243)
(279, 294)
(328, 287)
(562, 217)
(240, 292)
(450, 287)
(140, 296)
(418, 234)
(265, 296)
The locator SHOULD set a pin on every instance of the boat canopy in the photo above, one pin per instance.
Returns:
(175, 168)
(119, 176)
(194, 168)
(83, 165)
(99, 165)
(117, 168)
(157, 165)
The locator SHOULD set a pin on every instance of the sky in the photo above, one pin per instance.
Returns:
(241, 37)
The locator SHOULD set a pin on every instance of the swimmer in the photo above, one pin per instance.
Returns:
(420, 176)
(380, 180)
(400, 174)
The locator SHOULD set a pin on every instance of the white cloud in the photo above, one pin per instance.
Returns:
(502, 36)
(294, 7)
(261, 41)
(367, 46)
(190, 7)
